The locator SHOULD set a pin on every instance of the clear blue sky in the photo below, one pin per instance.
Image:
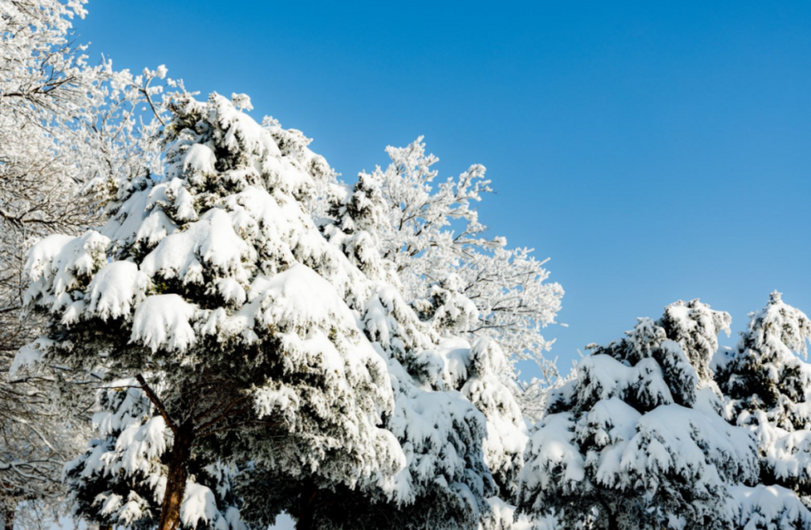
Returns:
(654, 150)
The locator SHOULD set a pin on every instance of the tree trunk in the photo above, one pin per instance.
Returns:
(8, 518)
(306, 514)
(613, 524)
(176, 480)
(610, 518)
(105, 527)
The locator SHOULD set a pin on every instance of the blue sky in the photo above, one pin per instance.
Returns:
(654, 150)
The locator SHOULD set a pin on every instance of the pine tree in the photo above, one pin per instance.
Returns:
(768, 386)
(213, 289)
(453, 417)
(120, 478)
(636, 440)
(445, 482)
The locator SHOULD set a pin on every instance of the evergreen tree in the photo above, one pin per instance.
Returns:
(768, 387)
(212, 288)
(636, 441)
(453, 417)
(121, 478)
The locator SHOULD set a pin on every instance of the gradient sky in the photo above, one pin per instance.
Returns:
(655, 151)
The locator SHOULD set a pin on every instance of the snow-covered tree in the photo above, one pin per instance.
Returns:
(431, 234)
(768, 386)
(212, 287)
(120, 479)
(428, 349)
(636, 441)
(355, 227)
(452, 440)
(459, 426)
(67, 129)
(453, 417)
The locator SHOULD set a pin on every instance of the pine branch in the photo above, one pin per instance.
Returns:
(157, 402)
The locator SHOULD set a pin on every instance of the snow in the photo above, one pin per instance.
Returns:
(697, 447)
(155, 227)
(554, 456)
(231, 291)
(299, 297)
(269, 401)
(787, 454)
(604, 377)
(503, 517)
(199, 506)
(612, 421)
(199, 158)
(241, 102)
(769, 507)
(123, 226)
(164, 322)
(211, 241)
(138, 444)
(183, 203)
(284, 522)
(390, 322)
(434, 429)
(454, 354)
(56, 266)
(115, 289)
(30, 355)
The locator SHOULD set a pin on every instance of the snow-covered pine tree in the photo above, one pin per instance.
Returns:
(445, 483)
(444, 486)
(213, 289)
(636, 440)
(768, 388)
(430, 232)
(439, 379)
(120, 479)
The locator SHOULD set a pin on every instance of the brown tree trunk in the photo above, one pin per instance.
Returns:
(176, 480)
(306, 514)
(105, 527)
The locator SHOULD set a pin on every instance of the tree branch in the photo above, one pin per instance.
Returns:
(157, 402)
